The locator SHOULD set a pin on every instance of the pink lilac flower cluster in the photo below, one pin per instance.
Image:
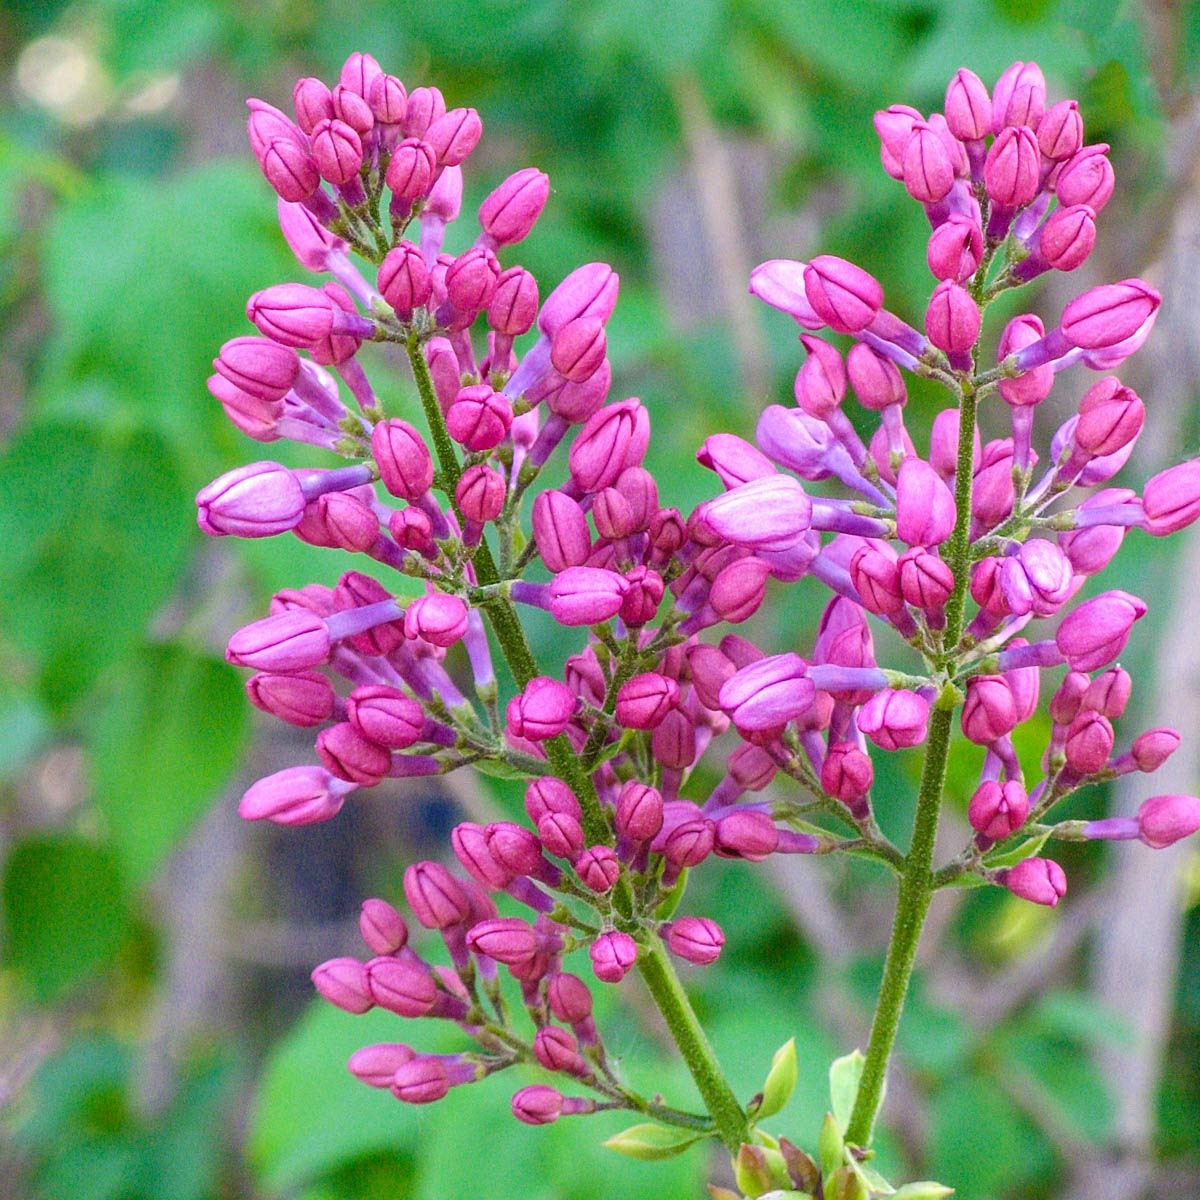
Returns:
(607, 743)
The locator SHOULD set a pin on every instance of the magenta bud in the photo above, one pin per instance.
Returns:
(569, 998)
(1171, 499)
(258, 366)
(435, 896)
(943, 445)
(557, 1050)
(561, 529)
(1164, 820)
(509, 213)
(388, 99)
(1110, 418)
(1107, 315)
(401, 986)
(673, 743)
(340, 520)
(598, 868)
(351, 756)
(894, 126)
(403, 280)
(1012, 169)
(968, 107)
(739, 589)
(875, 573)
(1086, 178)
(612, 514)
(1068, 237)
(303, 698)
(639, 812)
(1033, 386)
(746, 834)
(293, 314)
(578, 349)
(454, 135)
(769, 513)
(955, 248)
(537, 1104)
(514, 303)
(514, 847)
(543, 710)
(768, 693)
(404, 462)
(696, 940)
(821, 381)
(286, 641)
(420, 1081)
(1019, 97)
(425, 105)
(480, 493)
(925, 511)
(612, 955)
(586, 595)
(343, 982)
(952, 319)
(989, 711)
(1089, 743)
(928, 169)
(1109, 693)
(646, 589)
(561, 834)
(925, 580)
(1095, 632)
(479, 418)
(469, 842)
(313, 103)
(613, 438)
(1152, 748)
(733, 459)
(437, 618)
(1068, 697)
(994, 494)
(258, 500)
(876, 380)
(294, 796)
(382, 927)
(895, 719)
(377, 1065)
(350, 106)
(644, 701)
(337, 151)
(549, 795)
(410, 171)
(589, 291)
(998, 810)
(290, 169)
(1040, 880)
(1037, 579)
(847, 773)
(844, 296)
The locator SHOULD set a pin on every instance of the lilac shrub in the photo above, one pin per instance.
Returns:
(954, 553)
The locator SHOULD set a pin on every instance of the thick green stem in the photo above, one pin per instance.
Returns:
(659, 974)
(655, 967)
(916, 881)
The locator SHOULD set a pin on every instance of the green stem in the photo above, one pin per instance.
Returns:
(656, 969)
(916, 881)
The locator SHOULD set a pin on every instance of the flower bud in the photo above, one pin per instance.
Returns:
(479, 418)
(1060, 131)
(376, 1065)
(612, 955)
(844, 296)
(1152, 748)
(1109, 693)
(351, 756)
(454, 135)
(404, 281)
(1164, 820)
(438, 618)
(876, 380)
(952, 319)
(894, 126)
(578, 349)
(287, 641)
(1089, 743)
(994, 494)
(586, 595)
(998, 810)
(1068, 237)
(313, 103)
(514, 303)
(598, 868)
(1019, 97)
(895, 719)
(1040, 880)
(767, 694)
(821, 381)
(257, 500)
(1171, 499)
(294, 796)
(404, 462)
(989, 712)
(509, 213)
(968, 107)
(639, 812)
(1033, 386)
(388, 99)
(303, 698)
(875, 573)
(382, 927)
(611, 439)
(955, 248)
(769, 513)
(421, 1081)
(1106, 315)
(514, 847)
(1037, 579)
(1110, 418)
(537, 1104)
(746, 834)
(1095, 632)
(1012, 169)
(925, 511)
(425, 105)
(343, 982)
(337, 151)
(696, 940)
(543, 710)
(847, 773)
(1086, 178)
(435, 896)
(561, 834)
(480, 493)
(644, 701)
(928, 168)
(410, 171)
(589, 291)
(401, 986)
(258, 366)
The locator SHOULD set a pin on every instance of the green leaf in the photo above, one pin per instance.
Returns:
(1027, 849)
(781, 1080)
(65, 912)
(924, 1190)
(498, 769)
(650, 1143)
(165, 735)
(831, 1147)
(844, 1077)
(870, 1177)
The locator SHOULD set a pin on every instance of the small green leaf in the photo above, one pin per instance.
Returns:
(671, 900)
(1027, 849)
(499, 769)
(844, 1078)
(925, 1190)
(831, 1148)
(875, 1182)
(780, 1081)
(652, 1143)
(759, 1169)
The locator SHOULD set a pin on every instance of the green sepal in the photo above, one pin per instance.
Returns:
(652, 1143)
(846, 1184)
(925, 1190)
(759, 1169)
(670, 901)
(777, 1088)
(831, 1147)
(844, 1077)
(802, 1170)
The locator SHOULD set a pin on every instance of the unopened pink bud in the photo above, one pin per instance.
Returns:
(612, 955)
(1040, 880)
(1068, 697)
(1164, 820)
(1106, 315)
(586, 595)
(1068, 237)
(955, 248)
(303, 698)
(844, 296)
(401, 986)
(928, 168)
(639, 812)
(1086, 178)
(1110, 417)
(769, 512)
(1019, 97)
(509, 213)
(1012, 169)
(598, 868)
(821, 381)
(388, 99)
(925, 511)
(1171, 500)
(696, 940)
(480, 493)
(994, 494)
(894, 126)
(952, 319)
(258, 500)
(514, 847)
(435, 896)
(589, 291)
(343, 982)
(780, 283)
(425, 105)
(1152, 748)
(895, 719)
(376, 1065)
(561, 530)
(404, 280)
(998, 810)
(382, 927)
(876, 380)
(1037, 579)
(287, 641)
(1089, 743)
(259, 366)
(351, 756)
(875, 573)
(989, 712)
(313, 103)
(295, 796)
(561, 834)
(1033, 386)
(479, 418)
(847, 773)
(768, 693)
(454, 135)
(438, 618)
(337, 151)
(968, 106)
(410, 171)
(1109, 692)
(1095, 633)
(557, 1050)
(537, 1104)
(543, 710)
(611, 439)
(925, 580)
(578, 349)
(746, 834)
(644, 701)
(421, 1081)
(1060, 131)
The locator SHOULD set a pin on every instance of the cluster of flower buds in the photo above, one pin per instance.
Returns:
(400, 684)
(1010, 191)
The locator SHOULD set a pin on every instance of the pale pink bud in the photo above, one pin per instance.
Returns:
(895, 719)
(925, 511)
(968, 106)
(509, 213)
(343, 982)
(955, 248)
(1040, 880)
(294, 796)
(998, 810)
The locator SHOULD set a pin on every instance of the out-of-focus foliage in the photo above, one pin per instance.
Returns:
(132, 227)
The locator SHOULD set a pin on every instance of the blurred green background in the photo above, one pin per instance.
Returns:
(158, 1036)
